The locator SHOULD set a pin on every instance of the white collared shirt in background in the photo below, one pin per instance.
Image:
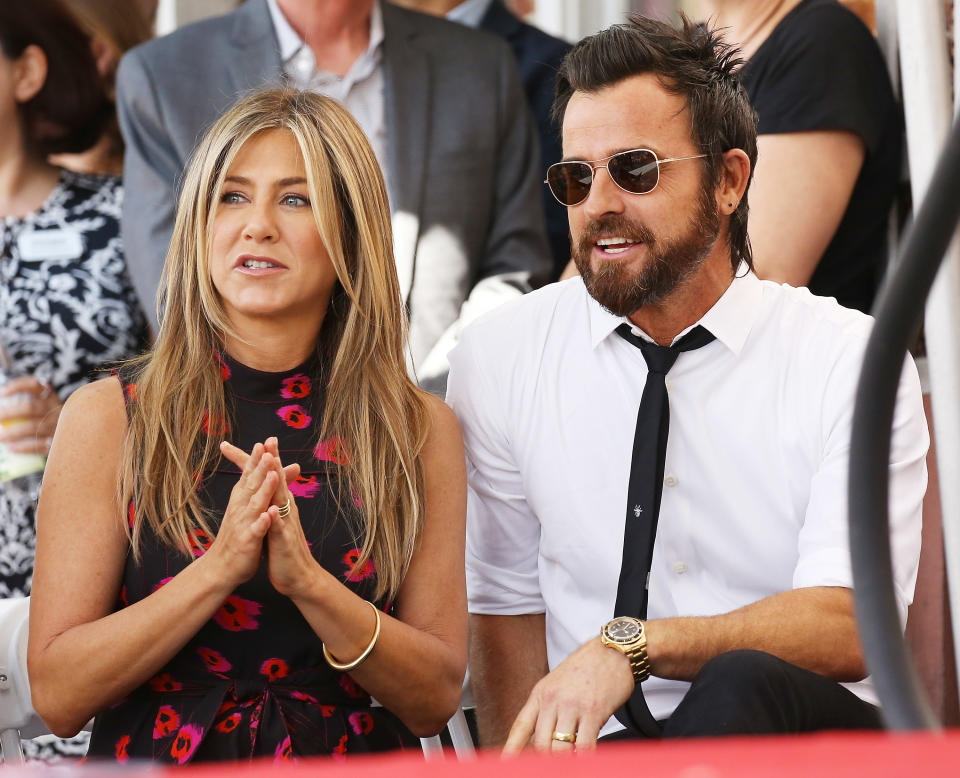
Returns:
(469, 12)
(755, 479)
(360, 90)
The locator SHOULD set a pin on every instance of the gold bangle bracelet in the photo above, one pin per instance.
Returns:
(366, 652)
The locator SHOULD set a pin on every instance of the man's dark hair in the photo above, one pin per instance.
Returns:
(70, 111)
(691, 61)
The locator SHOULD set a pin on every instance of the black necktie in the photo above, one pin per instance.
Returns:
(644, 492)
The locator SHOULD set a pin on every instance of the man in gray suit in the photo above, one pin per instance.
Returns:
(441, 104)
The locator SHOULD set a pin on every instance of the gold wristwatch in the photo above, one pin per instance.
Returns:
(625, 634)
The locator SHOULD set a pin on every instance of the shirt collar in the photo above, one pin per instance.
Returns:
(469, 12)
(290, 43)
(730, 319)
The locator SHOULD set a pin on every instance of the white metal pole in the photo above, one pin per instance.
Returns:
(925, 74)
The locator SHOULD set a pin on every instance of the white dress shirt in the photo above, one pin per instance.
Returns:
(754, 496)
(360, 90)
(469, 12)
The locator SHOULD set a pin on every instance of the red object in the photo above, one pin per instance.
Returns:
(877, 755)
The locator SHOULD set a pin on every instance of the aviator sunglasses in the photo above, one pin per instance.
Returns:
(636, 171)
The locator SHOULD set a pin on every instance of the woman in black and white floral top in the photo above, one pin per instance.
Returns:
(67, 308)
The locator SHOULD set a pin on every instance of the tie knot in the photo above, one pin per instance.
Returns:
(659, 358)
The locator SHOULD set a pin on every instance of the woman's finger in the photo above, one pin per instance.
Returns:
(236, 455)
(252, 461)
(27, 384)
(36, 445)
(20, 431)
(291, 473)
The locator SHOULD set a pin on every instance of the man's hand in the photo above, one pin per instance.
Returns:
(577, 698)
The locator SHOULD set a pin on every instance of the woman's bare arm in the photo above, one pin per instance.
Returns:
(81, 552)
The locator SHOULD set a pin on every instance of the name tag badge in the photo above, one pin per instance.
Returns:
(50, 244)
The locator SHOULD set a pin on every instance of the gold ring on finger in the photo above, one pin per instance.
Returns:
(564, 737)
(284, 510)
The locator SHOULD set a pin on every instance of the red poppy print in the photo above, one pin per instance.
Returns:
(332, 450)
(130, 392)
(340, 749)
(298, 695)
(238, 614)
(224, 367)
(200, 542)
(350, 686)
(214, 660)
(131, 515)
(214, 425)
(161, 583)
(229, 723)
(284, 752)
(327, 710)
(123, 596)
(304, 486)
(186, 742)
(361, 722)
(274, 669)
(165, 683)
(353, 572)
(225, 706)
(120, 749)
(166, 722)
(294, 416)
(295, 387)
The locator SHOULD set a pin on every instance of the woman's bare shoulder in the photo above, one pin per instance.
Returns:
(96, 410)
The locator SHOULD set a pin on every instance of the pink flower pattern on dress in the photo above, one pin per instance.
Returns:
(214, 660)
(294, 416)
(295, 387)
(332, 450)
(237, 614)
(304, 486)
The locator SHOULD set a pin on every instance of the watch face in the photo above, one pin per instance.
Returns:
(623, 629)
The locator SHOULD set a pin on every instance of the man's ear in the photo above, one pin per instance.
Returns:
(29, 73)
(736, 174)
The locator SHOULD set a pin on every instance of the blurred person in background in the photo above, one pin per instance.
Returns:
(538, 56)
(442, 106)
(272, 529)
(829, 143)
(114, 27)
(67, 308)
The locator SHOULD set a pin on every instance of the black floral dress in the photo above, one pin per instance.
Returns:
(67, 310)
(253, 681)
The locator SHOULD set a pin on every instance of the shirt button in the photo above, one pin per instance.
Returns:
(670, 481)
(680, 568)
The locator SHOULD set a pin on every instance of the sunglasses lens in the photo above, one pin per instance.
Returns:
(636, 171)
(570, 181)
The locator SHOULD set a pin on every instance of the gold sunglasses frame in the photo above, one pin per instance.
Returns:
(594, 166)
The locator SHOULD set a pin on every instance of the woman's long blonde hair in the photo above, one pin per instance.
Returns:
(371, 403)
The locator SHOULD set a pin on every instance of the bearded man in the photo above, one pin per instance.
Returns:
(657, 451)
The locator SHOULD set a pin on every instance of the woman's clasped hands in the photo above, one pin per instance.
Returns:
(253, 515)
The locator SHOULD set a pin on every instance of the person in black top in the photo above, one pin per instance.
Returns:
(829, 141)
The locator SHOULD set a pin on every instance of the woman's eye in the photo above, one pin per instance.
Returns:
(294, 199)
(231, 198)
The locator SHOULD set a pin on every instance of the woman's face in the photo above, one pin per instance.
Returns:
(267, 260)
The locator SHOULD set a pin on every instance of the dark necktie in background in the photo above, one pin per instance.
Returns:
(644, 493)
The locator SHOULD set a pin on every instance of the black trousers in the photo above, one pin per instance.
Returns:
(754, 693)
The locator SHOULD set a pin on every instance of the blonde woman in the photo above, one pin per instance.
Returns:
(246, 534)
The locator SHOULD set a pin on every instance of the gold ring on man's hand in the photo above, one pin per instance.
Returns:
(284, 510)
(565, 737)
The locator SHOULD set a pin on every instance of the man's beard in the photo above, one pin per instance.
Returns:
(623, 291)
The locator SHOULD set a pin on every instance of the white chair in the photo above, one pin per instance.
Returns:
(459, 736)
(17, 717)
